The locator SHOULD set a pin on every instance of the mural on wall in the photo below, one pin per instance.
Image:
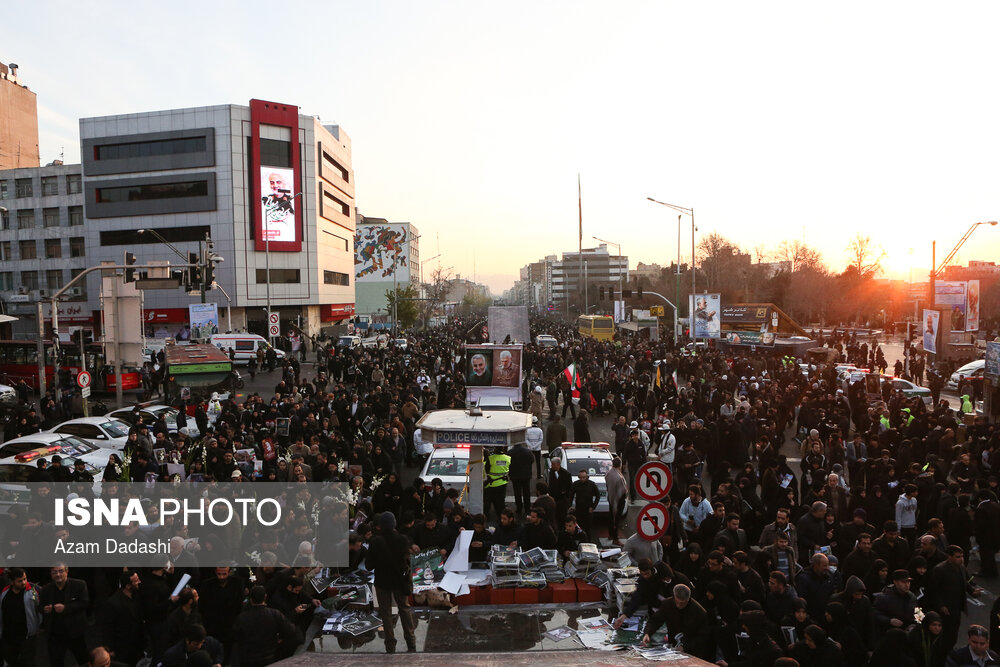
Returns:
(379, 250)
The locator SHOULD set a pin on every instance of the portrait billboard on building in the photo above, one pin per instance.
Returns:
(972, 306)
(277, 205)
(951, 294)
(204, 318)
(931, 321)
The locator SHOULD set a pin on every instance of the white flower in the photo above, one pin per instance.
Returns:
(918, 615)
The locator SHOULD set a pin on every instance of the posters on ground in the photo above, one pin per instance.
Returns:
(426, 569)
(707, 309)
(204, 318)
(931, 322)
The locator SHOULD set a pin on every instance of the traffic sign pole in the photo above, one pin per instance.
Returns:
(652, 522)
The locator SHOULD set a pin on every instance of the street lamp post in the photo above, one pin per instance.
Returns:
(688, 211)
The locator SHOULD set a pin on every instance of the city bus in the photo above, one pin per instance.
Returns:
(19, 361)
(601, 327)
(196, 371)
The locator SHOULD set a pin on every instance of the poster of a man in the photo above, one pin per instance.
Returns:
(277, 204)
(931, 320)
(972, 306)
(478, 371)
(706, 315)
(506, 368)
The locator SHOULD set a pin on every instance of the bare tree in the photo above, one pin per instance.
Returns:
(799, 256)
(865, 256)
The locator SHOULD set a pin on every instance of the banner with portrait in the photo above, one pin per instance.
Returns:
(931, 322)
(507, 367)
(951, 294)
(972, 306)
(204, 318)
(277, 203)
(707, 315)
(479, 366)
(493, 371)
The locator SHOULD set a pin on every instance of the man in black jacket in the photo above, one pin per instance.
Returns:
(64, 604)
(560, 488)
(195, 640)
(571, 537)
(260, 632)
(389, 557)
(122, 629)
(586, 495)
(536, 532)
(220, 601)
(976, 653)
(519, 474)
(686, 617)
(949, 584)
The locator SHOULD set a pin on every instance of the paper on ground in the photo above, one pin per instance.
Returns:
(453, 583)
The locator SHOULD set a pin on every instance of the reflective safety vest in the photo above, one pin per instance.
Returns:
(884, 421)
(967, 405)
(499, 468)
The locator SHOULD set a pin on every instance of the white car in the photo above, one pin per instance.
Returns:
(910, 389)
(401, 343)
(22, 466)
(8, 395)
(972, 369)
(545, 340)
(449, 464)
(594, 457)
(151, 412)
(106, 432)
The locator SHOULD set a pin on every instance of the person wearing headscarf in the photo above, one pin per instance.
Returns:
(926, 644)
(816, 649)
(799, 619)
(839, 628)
(892, 651)
(877, 577)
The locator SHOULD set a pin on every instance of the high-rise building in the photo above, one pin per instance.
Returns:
(18, 121)
(579, 278)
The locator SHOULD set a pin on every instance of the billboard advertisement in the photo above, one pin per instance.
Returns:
(381, 251)
(992, 370)
(204, 318)
(951, 294)
(750, 338)
(972, 306)
(277, 205)
(931, 322)
(707, 309)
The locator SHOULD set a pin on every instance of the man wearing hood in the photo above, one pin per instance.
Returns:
(389, 557)
(859, 608)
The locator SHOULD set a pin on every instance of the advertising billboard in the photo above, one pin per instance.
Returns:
(931, 322)
(707, 309)
(750, 338)
(992, 370)
(380, 251)
(277, 205)
(204, 318)
(972, 306)
(951, 294)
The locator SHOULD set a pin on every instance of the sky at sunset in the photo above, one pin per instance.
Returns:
(781, 120)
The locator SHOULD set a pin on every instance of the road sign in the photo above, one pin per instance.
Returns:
(273, 330)
(85, 391)
(653, 480)
(656, 311)
(272, 318)
(83, 379)
(652, 522)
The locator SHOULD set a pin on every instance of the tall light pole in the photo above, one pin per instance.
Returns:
(687, 211)
(620, 273)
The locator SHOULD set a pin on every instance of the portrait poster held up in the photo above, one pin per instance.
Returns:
(493, 370)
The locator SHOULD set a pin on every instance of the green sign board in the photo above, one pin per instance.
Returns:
(212, 367)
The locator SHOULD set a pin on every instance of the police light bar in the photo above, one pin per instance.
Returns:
(33, 454)
(458, 445)
(587, 445)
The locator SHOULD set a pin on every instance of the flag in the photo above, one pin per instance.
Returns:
(657, 376)
(676, 383)
(573, 379)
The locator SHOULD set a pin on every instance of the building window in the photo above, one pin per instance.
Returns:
(138, 149)
(74, 184)
(22, 188)
(339, 241)
(29, 280)
(50, 216)
(5, 251)
(53, 279)
(328, 161)
(151, 192)
(26, 219)
(73, 273)
(50, 185)
(77, 247)
(275, 153)
(4, 219)
(75, 215)
(335, 278)
(28, 249)
(7, 280)
(53, 248)
(279, 276)
(330, 200)
(172, 234)
(3, 190)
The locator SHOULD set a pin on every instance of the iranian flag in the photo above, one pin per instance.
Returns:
(573, 379)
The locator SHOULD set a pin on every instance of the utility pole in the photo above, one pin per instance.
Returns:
(41, 354)
(579, 201)
(118, 337)
(83, 367)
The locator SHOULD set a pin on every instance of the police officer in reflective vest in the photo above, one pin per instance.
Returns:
(495, 482)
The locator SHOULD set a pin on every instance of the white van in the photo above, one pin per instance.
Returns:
(348, 341)
(245, 345)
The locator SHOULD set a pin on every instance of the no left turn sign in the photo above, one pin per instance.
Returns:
(653, 480)
(652, 522)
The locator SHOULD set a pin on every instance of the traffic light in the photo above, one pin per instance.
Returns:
(130, 276)
(194, 271)
(601, 297)
(611, 293)
(209, 274)
(640, 291)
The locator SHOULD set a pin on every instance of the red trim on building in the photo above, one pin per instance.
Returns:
(165, 316)
(282, 115)
(332, 312)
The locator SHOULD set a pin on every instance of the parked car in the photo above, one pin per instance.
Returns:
(449, 464)
(151, 412)
(974, 369)
(106, 432)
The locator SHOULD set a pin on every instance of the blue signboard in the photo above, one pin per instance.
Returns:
(993, 361)
(470, 437)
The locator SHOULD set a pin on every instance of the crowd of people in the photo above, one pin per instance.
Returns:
(809, 523)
